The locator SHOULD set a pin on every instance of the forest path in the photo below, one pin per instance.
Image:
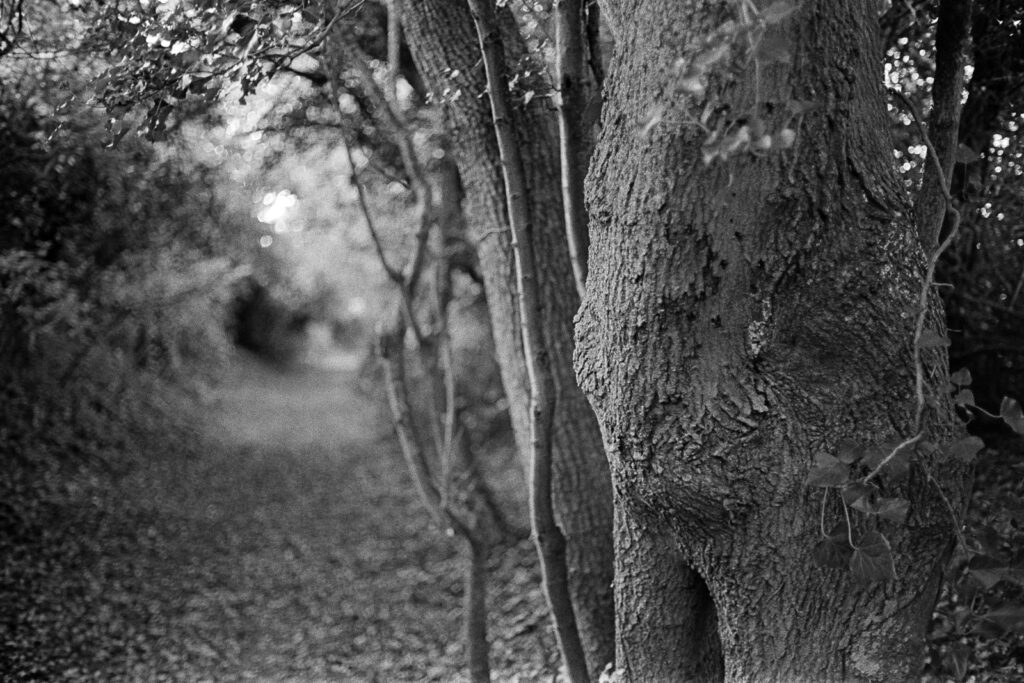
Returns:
(294, 550)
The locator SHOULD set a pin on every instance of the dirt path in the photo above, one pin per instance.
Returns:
(295, 551)
(292, 550)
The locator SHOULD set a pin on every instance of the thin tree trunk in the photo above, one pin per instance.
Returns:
(548, 537)
(952, 39)
(475, 612)
(444, 44)
(571, 102)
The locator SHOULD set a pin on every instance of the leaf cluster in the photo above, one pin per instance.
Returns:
(167, 53)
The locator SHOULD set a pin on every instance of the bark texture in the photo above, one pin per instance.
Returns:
(444, 44)
(744, 316)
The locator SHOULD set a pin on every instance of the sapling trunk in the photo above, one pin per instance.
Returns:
(475, 612)
(570, 66)
(548, 537)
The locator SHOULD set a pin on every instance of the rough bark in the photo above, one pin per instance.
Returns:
(662, 606)
(744, 316)
(444, 45)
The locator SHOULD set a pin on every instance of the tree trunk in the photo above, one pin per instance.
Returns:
(741, 318)
(443, 40)
(475, 612)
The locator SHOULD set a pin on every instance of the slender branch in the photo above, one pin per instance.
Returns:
(394, 274)
(570, 104)
(392, 353)
(548, 537)
(821, 521)
(475, 612)
(849, 523)
(953, 216)
(994, 305)
(595, 55)
(410, 159)
(394, 45)
(952, 38)
(446, 363)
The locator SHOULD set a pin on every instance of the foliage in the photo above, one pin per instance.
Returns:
(167, 53)
(747, 43)
(111, 296)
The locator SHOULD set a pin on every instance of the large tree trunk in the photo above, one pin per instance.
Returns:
(443, 40)
(740, 318)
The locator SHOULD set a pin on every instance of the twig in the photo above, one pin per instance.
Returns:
(393, 273)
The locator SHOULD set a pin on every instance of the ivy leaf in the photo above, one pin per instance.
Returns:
(834, 550)
(987, 540)
(849, 451)
(1012, 414)
(853, 492)
(893, 509)
(898, 468)
(1007, 618)
(961, 378)
(827, 471)
(797, 107)
(964, 397)
(965, 449)
(1013, 575)
(1013, 508)
(784, 138)
(958, 658)
(872, 559)
(986, 578)
(773, 48)
(874, 455)
(966, 155)
(864, 505)
(930, 339)
(777, 11)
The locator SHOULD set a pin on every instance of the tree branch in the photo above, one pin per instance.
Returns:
(953, 35)
(570, 102)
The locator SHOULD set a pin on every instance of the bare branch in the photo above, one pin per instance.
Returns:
(393, 273)
(570, 101)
